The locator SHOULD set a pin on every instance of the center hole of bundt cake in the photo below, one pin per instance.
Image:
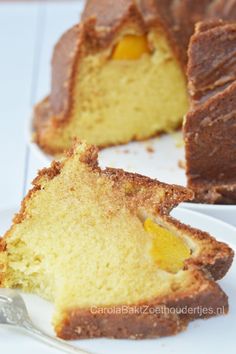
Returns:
(168, 250)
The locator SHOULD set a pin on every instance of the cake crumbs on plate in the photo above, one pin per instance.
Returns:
(178, 138)
(181, 164)
(150, 149)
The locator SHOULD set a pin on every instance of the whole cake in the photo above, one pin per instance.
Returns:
(101, 245)
(210, 125)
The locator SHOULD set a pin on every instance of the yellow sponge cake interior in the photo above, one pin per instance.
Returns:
(121, 100)
(131, 90)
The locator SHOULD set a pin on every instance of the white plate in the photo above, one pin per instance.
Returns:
(162, 163)
(215, 335)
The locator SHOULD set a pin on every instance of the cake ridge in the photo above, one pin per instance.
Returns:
(209, 127)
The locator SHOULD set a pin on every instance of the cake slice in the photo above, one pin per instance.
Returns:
(210, 126)
(101, 245)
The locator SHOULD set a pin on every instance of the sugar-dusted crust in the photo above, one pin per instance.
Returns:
(217, 70)
(141, 190)
(209, 127)
(154, 318)
(215, 258)
(183, 15)
(157, 318)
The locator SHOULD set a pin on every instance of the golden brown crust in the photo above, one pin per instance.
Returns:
(55, 108)
(157, 318)
(215, 258)
(109, 14)
(80, 324)
(64, 62)
(217, 70)
(209, 127)
(143, 191)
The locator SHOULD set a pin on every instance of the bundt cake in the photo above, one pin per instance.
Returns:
(101, 245)
(210, 125)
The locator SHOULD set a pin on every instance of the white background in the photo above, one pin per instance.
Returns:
(28, 32)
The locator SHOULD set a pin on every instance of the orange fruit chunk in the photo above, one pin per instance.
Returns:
(168, 250)
(131, 47)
